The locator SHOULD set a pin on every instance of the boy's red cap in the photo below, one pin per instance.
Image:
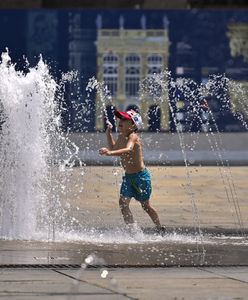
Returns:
(122, 114)
(130, 115)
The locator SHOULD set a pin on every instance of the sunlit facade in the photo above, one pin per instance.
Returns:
(124, 58)
(237, 34)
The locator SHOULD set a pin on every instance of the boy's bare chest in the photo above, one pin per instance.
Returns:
(130, 156)
(121, 143)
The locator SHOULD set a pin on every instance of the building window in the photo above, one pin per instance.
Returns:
(154, 64)
(110, 72)
(132, 75)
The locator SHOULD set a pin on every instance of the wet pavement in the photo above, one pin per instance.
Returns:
(172, 249)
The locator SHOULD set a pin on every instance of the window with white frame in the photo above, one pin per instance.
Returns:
(154, 64)
(110, 72)
(132, 74)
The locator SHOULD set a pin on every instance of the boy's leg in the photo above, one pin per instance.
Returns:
(151, 212)
(125, 210)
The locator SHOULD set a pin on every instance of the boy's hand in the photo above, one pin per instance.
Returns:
(104, 151)
(109, 127)
(204, 105)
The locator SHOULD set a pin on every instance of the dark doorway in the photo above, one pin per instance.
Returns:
(154, 118)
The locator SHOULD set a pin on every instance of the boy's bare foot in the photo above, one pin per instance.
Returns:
(161, 230)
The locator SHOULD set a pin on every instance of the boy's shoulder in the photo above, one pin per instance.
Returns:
(134, 136)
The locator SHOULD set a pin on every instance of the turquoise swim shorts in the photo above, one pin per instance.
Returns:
(137, 185)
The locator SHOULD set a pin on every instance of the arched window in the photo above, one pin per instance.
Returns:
(132, 74)
(133, 107)
(154, 64)
(110, 72)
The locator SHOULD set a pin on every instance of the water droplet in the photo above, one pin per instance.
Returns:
(89, 259)
(104, 273)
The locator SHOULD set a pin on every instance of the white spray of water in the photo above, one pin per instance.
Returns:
(220, 87)
(28, 115)
(102, 92)
(33, 153)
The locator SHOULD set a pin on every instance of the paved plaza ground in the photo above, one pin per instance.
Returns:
(217, 193)
(133, 283)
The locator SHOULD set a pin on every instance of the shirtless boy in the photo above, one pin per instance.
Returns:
(137, 180)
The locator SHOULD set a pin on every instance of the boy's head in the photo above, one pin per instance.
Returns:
(129, 120)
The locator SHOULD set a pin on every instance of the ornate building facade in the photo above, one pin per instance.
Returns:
(238, 42)
(124, 58)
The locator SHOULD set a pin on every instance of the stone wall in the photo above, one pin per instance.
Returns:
(166, 148)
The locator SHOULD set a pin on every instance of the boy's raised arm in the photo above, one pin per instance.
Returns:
(111, 141)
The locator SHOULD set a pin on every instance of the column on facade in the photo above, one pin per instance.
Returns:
(165, 103)
(121, 81)
(99, 108)
(145, 100)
